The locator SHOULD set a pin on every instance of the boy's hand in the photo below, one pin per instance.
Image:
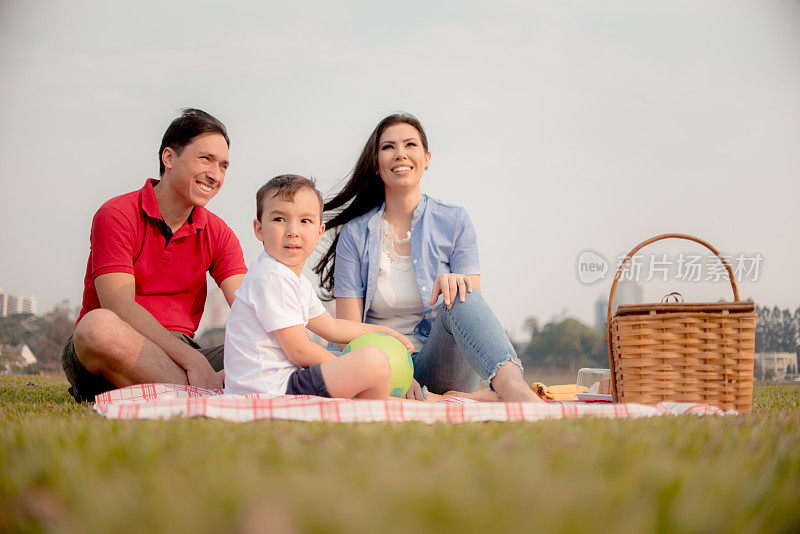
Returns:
(395, 334)
(449, 285)
(404, 340)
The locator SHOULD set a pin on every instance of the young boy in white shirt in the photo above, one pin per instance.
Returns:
(267, 348)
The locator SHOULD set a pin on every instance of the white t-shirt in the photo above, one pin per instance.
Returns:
(270, 298)
(397, 302)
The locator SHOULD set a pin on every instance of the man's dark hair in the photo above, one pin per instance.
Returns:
(191, 123)
(285, 186)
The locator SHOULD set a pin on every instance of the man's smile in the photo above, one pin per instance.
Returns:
(204, 188)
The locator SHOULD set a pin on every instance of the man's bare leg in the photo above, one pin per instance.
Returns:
(108, 346)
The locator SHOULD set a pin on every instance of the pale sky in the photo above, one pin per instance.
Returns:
(560, 126)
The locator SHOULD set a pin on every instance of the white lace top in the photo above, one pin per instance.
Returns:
(397, 302)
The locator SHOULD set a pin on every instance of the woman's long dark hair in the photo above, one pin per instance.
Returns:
(363, 192)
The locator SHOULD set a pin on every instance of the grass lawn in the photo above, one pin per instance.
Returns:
(65, 469)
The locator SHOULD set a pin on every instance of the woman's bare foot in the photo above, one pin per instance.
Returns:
(510, 385)
(516, 393)
(433, 397)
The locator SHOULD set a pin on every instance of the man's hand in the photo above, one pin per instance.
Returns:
(116, 292)
(202, 375)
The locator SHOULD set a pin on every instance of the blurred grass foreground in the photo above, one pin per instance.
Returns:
(65, 469)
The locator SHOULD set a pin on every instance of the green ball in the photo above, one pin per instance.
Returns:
(399, 359)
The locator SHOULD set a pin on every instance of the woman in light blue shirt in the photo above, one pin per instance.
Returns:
(410, 261)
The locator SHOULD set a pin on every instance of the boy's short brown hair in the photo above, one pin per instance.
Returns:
(286, 185)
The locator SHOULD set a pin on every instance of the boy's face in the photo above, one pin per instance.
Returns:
(290, 229)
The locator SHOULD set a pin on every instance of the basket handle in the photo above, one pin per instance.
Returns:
(619, 272)
(677, 296)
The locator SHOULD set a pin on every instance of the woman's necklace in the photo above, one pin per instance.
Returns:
(397, 250)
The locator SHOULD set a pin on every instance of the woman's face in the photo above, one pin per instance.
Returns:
(401, 157)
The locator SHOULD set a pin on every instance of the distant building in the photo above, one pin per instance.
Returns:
(776, 365)
(628, 292)
(16, 304)
(21, 304)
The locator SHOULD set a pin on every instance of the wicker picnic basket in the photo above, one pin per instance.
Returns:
(687, 352)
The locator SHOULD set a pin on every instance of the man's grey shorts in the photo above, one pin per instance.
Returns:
(85, 385)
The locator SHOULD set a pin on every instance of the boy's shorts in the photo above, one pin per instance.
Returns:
(85, 385)
(308, 382)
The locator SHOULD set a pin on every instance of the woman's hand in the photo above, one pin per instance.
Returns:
(450, 285)
(414, 391)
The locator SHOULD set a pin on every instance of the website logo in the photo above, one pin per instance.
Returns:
(592, 266)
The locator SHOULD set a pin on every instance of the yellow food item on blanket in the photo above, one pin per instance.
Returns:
(563, 392)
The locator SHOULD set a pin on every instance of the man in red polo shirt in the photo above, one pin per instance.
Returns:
(145, 283)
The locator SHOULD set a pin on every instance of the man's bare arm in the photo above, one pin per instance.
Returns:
(116, 292)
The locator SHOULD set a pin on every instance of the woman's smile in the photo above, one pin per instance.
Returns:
(401, 169)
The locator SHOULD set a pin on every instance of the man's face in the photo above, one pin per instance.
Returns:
(197, 173)
(290, 229)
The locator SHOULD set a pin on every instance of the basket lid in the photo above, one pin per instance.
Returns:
(680, 307)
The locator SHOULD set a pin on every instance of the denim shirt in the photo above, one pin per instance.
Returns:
(443, 240)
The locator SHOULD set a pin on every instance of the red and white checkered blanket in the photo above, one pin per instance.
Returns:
(164, 401)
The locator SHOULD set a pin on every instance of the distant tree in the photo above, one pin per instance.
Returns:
(761, 329)
(566, 344)
(12, 331)
(766, 332)
(777, 330)
(796, 318)
(788, 332)
(531, 324)
(44, 335)
(11, 361)
(52, 330)
(773, 329)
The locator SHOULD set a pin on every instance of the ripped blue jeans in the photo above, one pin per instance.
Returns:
(466, 344)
